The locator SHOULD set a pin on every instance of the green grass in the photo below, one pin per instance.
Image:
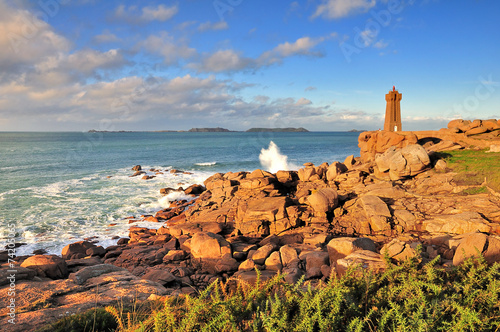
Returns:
(474, 167)
(93, 320)
(475, 191)
(406, 297)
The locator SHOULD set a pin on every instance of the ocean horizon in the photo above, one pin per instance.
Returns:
(62, 187)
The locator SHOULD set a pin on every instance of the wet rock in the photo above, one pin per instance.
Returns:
(137, 168)
(194, 189)
(50, 266)
(76, 250)
(96, 251)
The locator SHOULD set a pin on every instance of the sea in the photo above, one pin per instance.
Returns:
(60, 187)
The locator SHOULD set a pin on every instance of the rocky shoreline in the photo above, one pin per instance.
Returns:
(398, 197)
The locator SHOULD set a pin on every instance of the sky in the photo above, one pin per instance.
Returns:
(76, 65)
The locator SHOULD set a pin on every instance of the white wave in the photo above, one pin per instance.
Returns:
(173, 196)
(272, 160)
(206, 164)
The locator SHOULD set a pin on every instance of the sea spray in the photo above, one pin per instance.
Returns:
(272, 160)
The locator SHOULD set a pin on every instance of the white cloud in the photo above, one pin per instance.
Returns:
(333, 9)
(303, 101)
(106, 37)
(310, 88)
(170, 49)
(134, 15)
(224, 60)
(221, 25)
(230, 60)
(25, 39)
(381, 44)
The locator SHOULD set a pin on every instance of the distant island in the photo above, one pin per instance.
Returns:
(278, 130)
(356, 131)
(209, 130)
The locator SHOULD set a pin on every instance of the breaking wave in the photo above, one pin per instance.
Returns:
(272, 160)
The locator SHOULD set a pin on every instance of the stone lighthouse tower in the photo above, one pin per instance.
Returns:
(393, 111)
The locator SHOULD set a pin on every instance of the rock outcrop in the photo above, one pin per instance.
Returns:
(314, 223)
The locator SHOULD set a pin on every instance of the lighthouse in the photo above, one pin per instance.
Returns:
(393, 111)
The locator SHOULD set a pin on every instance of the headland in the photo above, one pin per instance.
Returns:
(404, 196)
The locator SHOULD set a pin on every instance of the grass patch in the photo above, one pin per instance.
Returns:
(474, 167)
(93, 320)
(406, 297)
(475, 191)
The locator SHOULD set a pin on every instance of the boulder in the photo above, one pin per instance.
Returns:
(137, 168)
(206, 245)
(316, 259)
(260, 256)
(492, 253)
(349, 161)
(174, 255)
(308, 173)
(264, 216)
(77, 249)
(88, 272)
(491, 124)
(363, 259)
(50, 266)
(401, 163)
(470, 246)
(226, 264)
(247, 265)
(162, 277)
(398, 250)
(334, 170)
(96, 251)
(476, 131)
(466, 222)
(207, 249)
(289, 257)
(273, 262)
(344, 246)
(377, 213)
(194, 189)
(287, 177)
(323, 201)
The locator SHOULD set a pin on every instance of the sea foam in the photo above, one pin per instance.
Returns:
(212, 163)
(272, 160)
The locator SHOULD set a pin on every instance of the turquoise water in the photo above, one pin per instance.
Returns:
(58, 188)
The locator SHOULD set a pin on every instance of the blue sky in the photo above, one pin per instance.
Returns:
(172, 65)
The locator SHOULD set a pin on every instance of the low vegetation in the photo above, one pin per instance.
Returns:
(474, 167)
(407, 297)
